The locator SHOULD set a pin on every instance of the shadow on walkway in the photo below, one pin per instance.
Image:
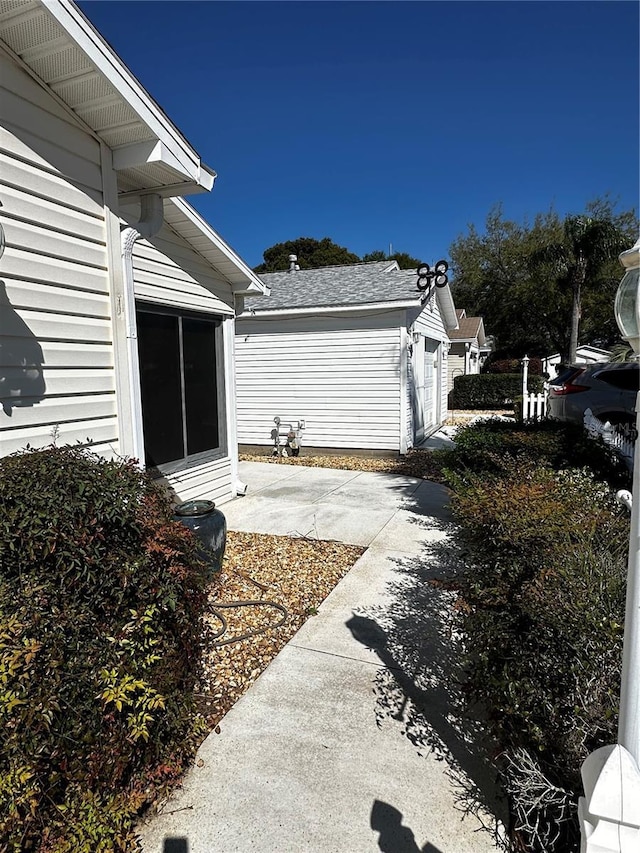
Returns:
(394, 837)
(421, 683)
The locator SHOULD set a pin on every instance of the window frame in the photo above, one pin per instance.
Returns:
(212, 454)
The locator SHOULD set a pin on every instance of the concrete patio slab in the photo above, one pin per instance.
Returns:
(346, 743)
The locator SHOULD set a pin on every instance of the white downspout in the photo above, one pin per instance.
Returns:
(151, 219)
(239, 488)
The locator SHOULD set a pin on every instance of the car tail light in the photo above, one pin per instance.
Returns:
(568, 388)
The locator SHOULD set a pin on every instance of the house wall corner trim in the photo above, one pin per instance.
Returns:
(151, 219)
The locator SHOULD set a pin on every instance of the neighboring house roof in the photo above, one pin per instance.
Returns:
(61, 48)
(345, 287)
(469, 329)
(587, 352)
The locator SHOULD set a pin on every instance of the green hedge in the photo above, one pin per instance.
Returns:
(490, 390)
(494, 446)
(101, 597)
(541, 603)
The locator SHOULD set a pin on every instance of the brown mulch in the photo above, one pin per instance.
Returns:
(296, 573)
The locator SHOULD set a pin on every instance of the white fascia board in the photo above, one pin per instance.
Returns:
(90, 42)
(250, 282)
(322, 310)
(447, 307)
(156, 151)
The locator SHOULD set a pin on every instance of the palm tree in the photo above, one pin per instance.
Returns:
(585, 245)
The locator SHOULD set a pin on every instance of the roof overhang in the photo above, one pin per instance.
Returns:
(61, 49)
(188, 223)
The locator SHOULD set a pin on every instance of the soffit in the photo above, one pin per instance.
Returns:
(93, 82)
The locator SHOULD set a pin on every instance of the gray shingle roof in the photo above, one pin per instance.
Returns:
(339, 286)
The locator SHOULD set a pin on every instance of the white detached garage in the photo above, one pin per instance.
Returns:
(117, 301)
(357, 352)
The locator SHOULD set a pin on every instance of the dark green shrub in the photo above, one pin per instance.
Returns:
(101, 595)
(542, 597)
(490, 390)
(494, 446)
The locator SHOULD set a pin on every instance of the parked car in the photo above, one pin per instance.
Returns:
(609, 390)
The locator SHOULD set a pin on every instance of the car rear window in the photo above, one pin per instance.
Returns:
(624, 378)
(565, 375)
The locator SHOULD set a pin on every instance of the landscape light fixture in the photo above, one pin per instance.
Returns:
(626, 311)
(609, 813)
(627, 304)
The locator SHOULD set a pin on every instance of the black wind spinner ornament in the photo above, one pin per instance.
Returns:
(428, 277)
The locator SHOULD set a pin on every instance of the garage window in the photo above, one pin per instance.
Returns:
(179, 354)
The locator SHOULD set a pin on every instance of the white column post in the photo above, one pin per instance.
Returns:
(609, 812)
(525, 385)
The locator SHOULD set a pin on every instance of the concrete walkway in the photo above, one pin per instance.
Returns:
(351, 741)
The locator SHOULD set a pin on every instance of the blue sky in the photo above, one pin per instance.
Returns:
(378, 123)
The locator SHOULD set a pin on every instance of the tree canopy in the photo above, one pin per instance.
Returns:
(540, 285)
(312, 253)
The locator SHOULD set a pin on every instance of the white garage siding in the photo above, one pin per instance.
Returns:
(55, 310)
(343, 381)
(429, 325)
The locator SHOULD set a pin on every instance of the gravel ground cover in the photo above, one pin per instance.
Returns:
(288, 578)
(294, 573)
(424, 464)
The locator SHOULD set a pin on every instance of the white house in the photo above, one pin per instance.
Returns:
(469, 346)
(357, 352)
(117, 301)
(585, 354)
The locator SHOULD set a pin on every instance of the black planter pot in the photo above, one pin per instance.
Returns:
(210, 528)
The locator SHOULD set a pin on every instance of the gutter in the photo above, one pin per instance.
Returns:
(151, 219)
(369, 307)
(447, 307)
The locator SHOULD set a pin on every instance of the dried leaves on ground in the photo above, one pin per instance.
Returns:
(279, 573)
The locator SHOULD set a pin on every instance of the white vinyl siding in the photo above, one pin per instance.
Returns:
(209, 480)
(170, 273)
(341, 376)
(456, 368)
(57, 308)
(428, 324)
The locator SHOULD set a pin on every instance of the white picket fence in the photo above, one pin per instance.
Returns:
(534, 406)
(622, 444)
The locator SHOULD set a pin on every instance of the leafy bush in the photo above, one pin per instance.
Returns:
(101, 595)
(542, 600)
(494, 446)
(513, 365)
(490, 390)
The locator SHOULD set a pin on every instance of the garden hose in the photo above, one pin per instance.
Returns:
(216, 606)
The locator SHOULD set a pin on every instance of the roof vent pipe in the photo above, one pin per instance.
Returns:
(293, 265)
(151, 219)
